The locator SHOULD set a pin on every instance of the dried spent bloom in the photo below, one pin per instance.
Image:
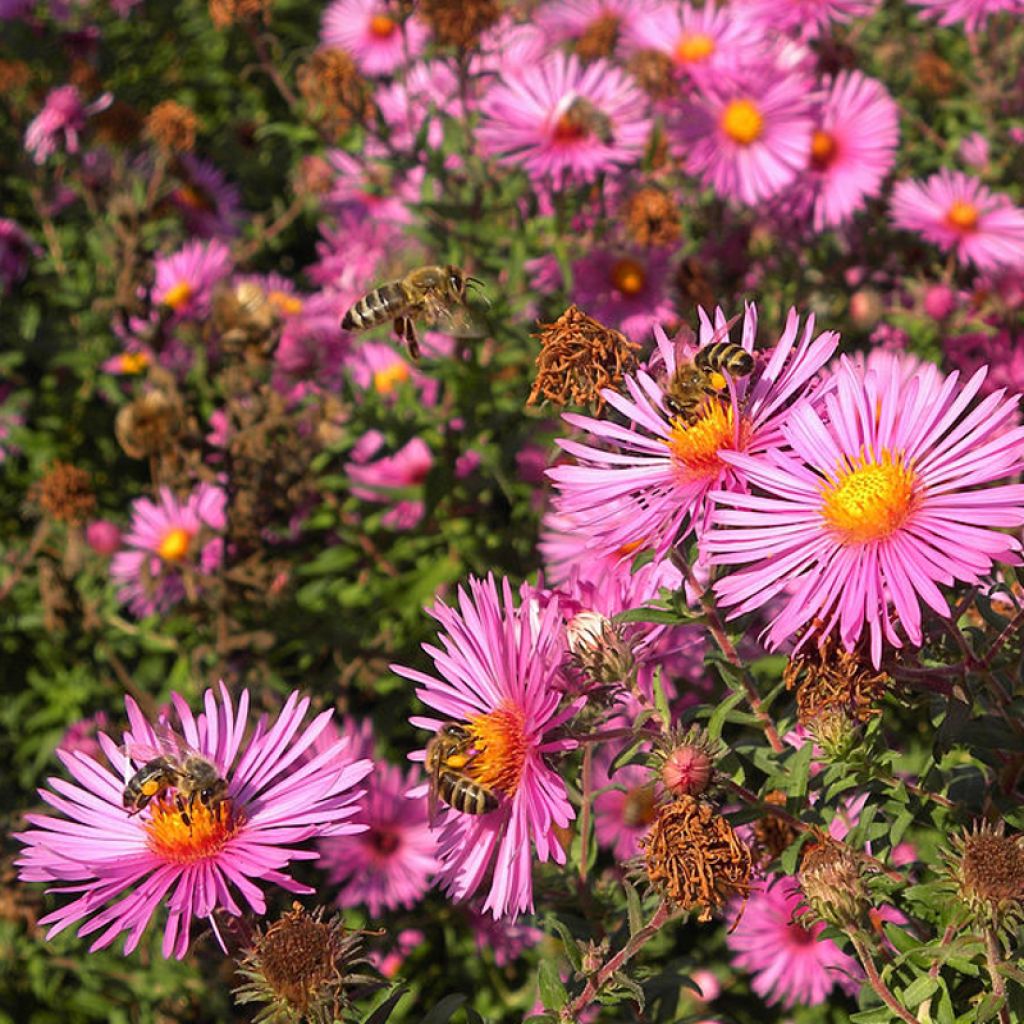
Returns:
(985, 869)
(459, 22)
(14, 75)
(65, 493)
(172, 126)
(578, 358)
(150, 424)
(830, 679)
(685, 760)
(224, 13)
(651, 217)
(831, 880)
(333, 89)
(300, 967)
(653, 71)
(599, 38)
(773, 833)
(694, 857)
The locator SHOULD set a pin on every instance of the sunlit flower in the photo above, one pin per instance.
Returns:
(972, 13)
(648, 486)
(790, 964)
(63, 115)
(373, 33)
(889, 491)
(122, 867)
(955, 211)
(563, 120)
(185, 279)
(498, 665)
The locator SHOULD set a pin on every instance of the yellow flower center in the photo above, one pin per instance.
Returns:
(133, 362)
(693, 47)
(385, 381)
(628, 277)
(501, 746)
(639, 808)
(174, 546)
(695, 446)
(870, 498)
(823, 150)
(962, 216)
(290, 305)
(382, 26)
(204, 836)
(178, 295)
(742, 121)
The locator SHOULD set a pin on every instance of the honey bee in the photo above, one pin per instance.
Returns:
(435, 294)
(581, 118)
(449, 753)
(192, 777)
(692, 383)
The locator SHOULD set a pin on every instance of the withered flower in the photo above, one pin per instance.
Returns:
(578, 357)
(333, 89)
(224, 13)
(600, 37)
(459, 23)
(654, 73)
(300, 967)
(652, 217)
(150, 424)
(933, 74)
(693, 283)
(14, 74)
(985, 868)
(172, 126)
(831, 878)
(119, 124)
(773, 833)
(694, 857)
(64, 494)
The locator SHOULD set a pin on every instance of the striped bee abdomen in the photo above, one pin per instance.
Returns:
(724, 355)
(463, 794)
(383, 303)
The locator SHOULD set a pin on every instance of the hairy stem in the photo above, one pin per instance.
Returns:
(876, 982)
(993, 959)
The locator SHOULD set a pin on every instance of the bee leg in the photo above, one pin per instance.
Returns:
(183, 810)
(406, 331)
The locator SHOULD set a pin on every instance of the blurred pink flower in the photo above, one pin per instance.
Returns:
(427, 91)
(121, 867)
(408, 467)
(809, 18)
(185, 279)
(63, 114)
(955, 211)
(498, 664)
(624, 813)
(746, 135)
(103, 536)
(313, 348)
(939, 301)
(506, 941)
(380, 368)
(16, 252)
(82, 736)
(372, 32)
(563, 121)
(209, 204)
(790, 965)
(1002, 352)
(567, 20)
(972, 13)
(974, 151)
(889, 490)
(407, 941)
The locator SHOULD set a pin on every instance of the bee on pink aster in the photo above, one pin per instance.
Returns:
(497, 671)
(955, 211)
(185, 279)
(888, 492)
(561, 120)
(121, 866)
(647, 483)
(373, 33)
(746, 135)
(973, 14)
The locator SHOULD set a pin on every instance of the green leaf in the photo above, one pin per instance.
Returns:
(919, 990)
(721, 714)
(442, 1013)
(876, 1015)
(552, 991)
(384, 1011)
(798, 768)
(989, 1007)
(636, 918)
(660, 700)
(572, 951)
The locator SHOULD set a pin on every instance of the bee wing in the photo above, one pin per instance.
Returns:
(722, 333)
(457, 319)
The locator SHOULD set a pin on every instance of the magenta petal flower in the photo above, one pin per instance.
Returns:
(371, 31)
(955, 211)
(972, 13)
(63, 115)
(122, 867)
(809, 18)
(496, 673)
(790, 964)
(563, 120)
(648, 485)
(889, 491)
(185, 279)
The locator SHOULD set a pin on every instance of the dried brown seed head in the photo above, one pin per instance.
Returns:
(986, 870)
(652, 217)
(225, 13)
(64, 494)
(599, 38)
(172, 126)
(459, 22)
(831, 878)
(334, 90)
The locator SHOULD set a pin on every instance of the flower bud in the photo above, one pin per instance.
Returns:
(598, 647)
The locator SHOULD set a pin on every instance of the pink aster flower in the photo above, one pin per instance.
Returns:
(623, 813)
(807, 17)
(648, 485)
(313, 347)
(185, 279)
(569, 20)
(888, 492)
(390, 864)
(791, 965)
(561, 120)
(506, 941)
(209, 204)
(956, 211)
(83, 736)
(168, 543)
(851, 151)
(121, 867)
(373, 33)
(497, 666)
(972, 13)
(428, 90)
(1002, 353)
(408, 467)
(380, 368)
(63, 114)
(746, 135)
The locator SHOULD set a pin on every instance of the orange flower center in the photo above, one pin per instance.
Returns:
(178, 295)
(385, 381)
(290, 305)
(962, 216)
(823, 150)
(174, 546)
(501, 746)
(569, 129)
(870, 498)
(206, 834)
(695, 446)
(742, 121)
(133, 362)
(628, 277)
(639, 808)
(192, 197)
(693, 47)
(382, 26)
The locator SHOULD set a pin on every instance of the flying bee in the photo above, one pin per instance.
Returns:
(581, 119)
(449, 753)
(433, 293)
(193, 778)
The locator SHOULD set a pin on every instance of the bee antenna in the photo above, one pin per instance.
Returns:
(477, 283)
